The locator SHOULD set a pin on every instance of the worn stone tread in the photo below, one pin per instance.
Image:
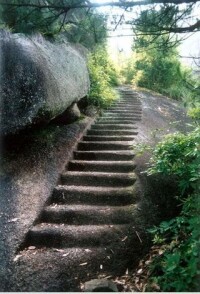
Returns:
(112, 132)
(108, 138)
(114, 126)
(62, 235)
(116, 121)
(95, 195)
(108, 166)
(104, 155)
(88, 214)
(98, 178)
(104, 145)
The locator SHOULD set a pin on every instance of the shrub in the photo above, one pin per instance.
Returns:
(177, 268)
(102, 78)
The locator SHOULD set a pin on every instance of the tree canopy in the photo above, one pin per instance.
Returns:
(49, 12)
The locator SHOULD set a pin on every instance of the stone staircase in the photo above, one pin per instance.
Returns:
(94, 203)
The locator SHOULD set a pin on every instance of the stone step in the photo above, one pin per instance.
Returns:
(130, 98)
(98, 179)
(104, 155)
(94, 195)
(101, 145)
(88, 214)
(116, 118)
(135, 111)
(114, 126)
(108, 138)
(130, 112)
(66, 236)
(117, 121)
(131, 103)
(101, 166)
(126, 109)
(121, 115)
(104, 132)
(129, 106)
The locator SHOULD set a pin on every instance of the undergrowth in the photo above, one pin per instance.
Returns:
(177, 267)
(103, 78)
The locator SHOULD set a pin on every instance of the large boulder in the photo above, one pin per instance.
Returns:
(39, 80)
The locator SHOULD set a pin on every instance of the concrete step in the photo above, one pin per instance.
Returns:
(132, 102)
(121, 115)
(103, 179)
(130, 112)
(126, 106)
(128, 103)
(88, 214)
(99, 132)
(66, 236)
(126, 109)
(104, 155)
(117, 117)
(113, 126)
(101, 166)
(111, 145)
(94, 195)
(108, 121)
(108, 138)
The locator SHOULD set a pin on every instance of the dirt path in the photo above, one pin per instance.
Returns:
(93, 224)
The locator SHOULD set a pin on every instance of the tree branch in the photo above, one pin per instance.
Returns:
(191, 28)
(96, 5)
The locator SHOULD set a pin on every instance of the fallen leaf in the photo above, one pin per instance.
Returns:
(58, 250)
(155, 286)
(147, 262)
(66, 254)
(88, 250)
(139, 271)
(126, 272)
(101, 266)
(108, 277)
(31, 247)
(138, 236)
(13, 220)
(17, 257)
(84, 263)
(82, 286)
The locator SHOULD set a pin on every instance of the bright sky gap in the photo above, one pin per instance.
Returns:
(121, 39)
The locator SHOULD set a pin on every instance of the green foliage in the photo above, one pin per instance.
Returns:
(179, 238)
(90, 30)
(102, 77)
(194, 113)
(79, 25)
(28, 19)
(158, 69)
(128, 72)
(178, 155)
(155, 63)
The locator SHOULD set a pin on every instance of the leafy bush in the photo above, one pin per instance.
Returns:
(159, 71)
(128, 70)
(177, 268)
(102, 77)
(194, 113)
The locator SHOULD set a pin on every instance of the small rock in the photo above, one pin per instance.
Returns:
(100, 285)
(70, 115)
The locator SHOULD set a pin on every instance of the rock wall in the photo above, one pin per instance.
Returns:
(38, 80)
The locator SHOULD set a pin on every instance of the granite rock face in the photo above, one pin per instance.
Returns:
(39, 80)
